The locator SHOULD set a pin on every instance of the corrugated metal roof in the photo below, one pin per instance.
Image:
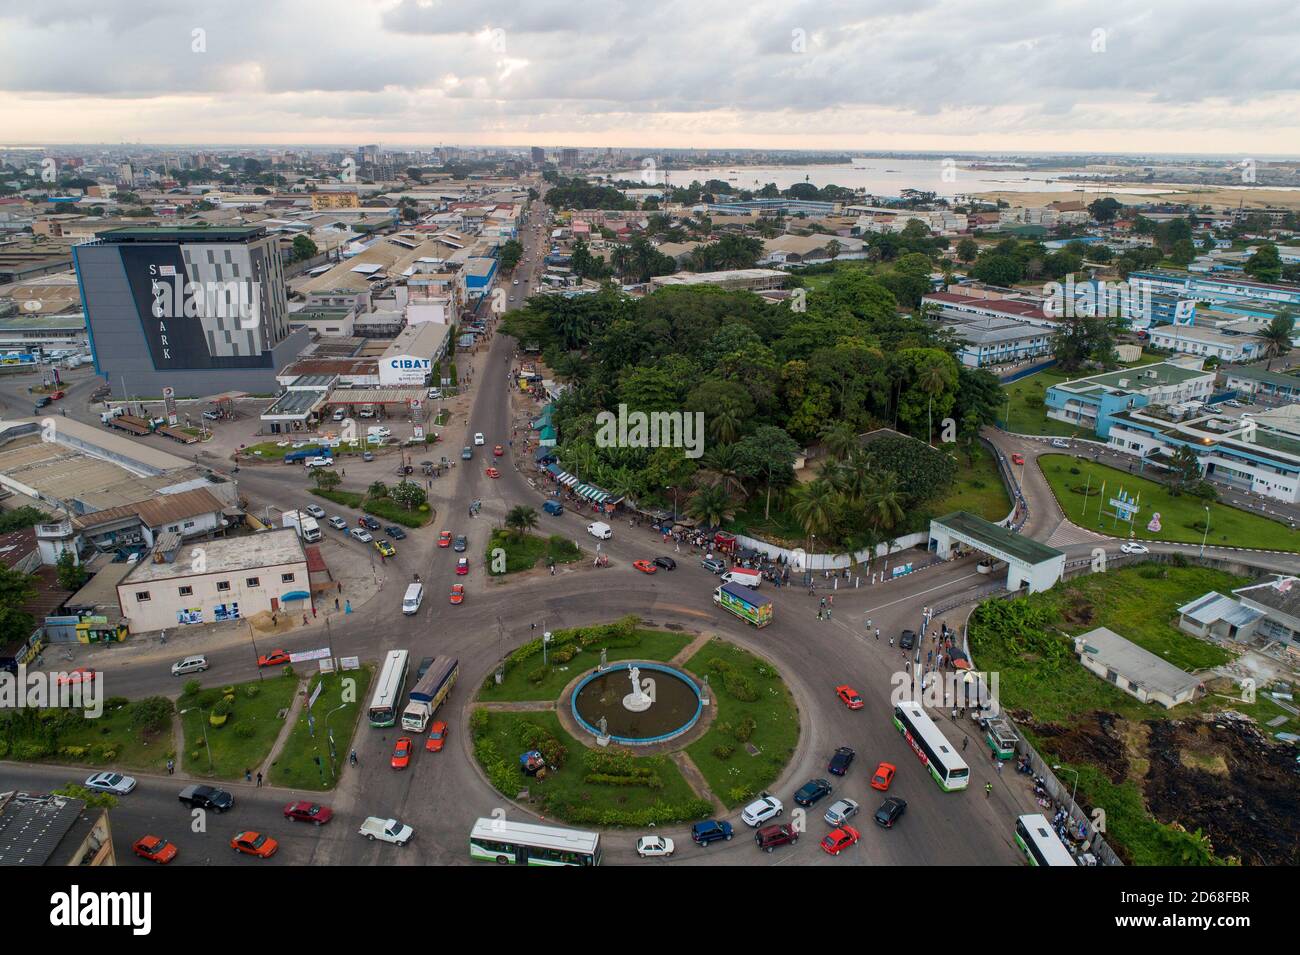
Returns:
(157, 511)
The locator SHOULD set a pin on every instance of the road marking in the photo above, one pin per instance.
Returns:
(922, 593)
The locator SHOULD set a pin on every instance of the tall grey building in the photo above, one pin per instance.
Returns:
(202, 310)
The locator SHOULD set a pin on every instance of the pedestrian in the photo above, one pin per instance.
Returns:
(988, 788)
(171, 766)
(877, 635)
(313, 611)
(828, 613)
(259, 780)
(965, 740)
(336, 603)
(304, 620)
(954, 714)
(823, 602)
(248, 775)
(830, 601)
(891, 641)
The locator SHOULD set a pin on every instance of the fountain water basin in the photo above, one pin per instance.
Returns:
(640, 703)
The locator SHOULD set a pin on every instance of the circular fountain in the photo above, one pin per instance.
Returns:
(636, 703)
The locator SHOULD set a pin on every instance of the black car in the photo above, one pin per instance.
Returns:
(907, 640)
(813, 791)
(841, 761)
(207, 797)
(43, 401)
(667, 563)
(710, 831)
(459, 544)
(423, 668)
(369, 523)
(395, 533)
(890, 811)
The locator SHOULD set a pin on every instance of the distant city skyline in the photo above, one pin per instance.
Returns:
(940, 76)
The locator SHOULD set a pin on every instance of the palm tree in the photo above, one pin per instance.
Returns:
(710, 505)
(839, 439)
(932, 380)
(520, 520)
(725, 425)
(378, 489)
(721, 470)
(815, 506)
(884, 506)
(1277, 336)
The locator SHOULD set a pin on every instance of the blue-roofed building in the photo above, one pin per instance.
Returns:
(1093, 402)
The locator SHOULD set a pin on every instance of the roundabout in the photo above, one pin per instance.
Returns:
(686, 726)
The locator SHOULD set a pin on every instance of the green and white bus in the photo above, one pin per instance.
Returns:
(388, 691)
(931, 746)
(1040, 843)
(525, 843)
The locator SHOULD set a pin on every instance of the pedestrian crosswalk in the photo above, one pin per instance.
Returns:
(1067, 533)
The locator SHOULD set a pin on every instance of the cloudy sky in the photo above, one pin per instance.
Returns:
(952, 75)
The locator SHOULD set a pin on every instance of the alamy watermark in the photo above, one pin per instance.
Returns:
(1096, 299)
(38, 689)
(657, 429)
(173, 298)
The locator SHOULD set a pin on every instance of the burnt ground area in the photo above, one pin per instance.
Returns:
(1219, 774)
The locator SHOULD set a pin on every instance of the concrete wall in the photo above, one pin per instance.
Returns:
(159, 612)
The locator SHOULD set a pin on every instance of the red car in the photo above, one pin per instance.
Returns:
(154, 849)
(79, 675)
(56, 396)
(1017, 459)
(437, 736)
(462, 566)
(457, 593)
(492, 473)
(274, 658)
(444, 539)
(883, 776)
(254, 844)
(402, 752)
(311, 812)
(645, 566)
(837, 840)
(849, 697)
(498, 451)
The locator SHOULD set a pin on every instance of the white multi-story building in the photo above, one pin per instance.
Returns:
(1206, 342)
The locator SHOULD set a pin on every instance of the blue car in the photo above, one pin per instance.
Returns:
(710, 831)
(553, 507)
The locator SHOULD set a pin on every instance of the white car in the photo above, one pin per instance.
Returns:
(516, 282)
(361, 534)
(114, 783)
(1060, 443)
(338, 522)
(339, 414)
(1132, 547)
(841, 811)
(650, 847)
(761, 810)
(381, 432)
(478, 438)
(315, 510)
(435, 394)
(389, 830)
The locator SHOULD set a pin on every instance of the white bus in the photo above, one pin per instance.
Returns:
(388, 691)
(1040, 843)
(931, 746)
(525, 843)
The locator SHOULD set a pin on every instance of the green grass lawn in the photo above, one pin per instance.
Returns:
(566, 793)
(234, 749)
(295, 767)
(1026, 413)
(1181, 518)
(525, 550)
(977, 489)
(345, 498)
(109, 741)
(1140, 603)
(737, 776)
(660, 645)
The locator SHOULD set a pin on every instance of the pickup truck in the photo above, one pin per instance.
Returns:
(389, 830)
(206, 797)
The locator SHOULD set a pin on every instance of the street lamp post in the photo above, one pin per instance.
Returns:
(1074, 801)
(1206, 535)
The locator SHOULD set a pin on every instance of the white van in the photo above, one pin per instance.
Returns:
(744, 577)
(600, 530)
(414, 597)
(190, 665)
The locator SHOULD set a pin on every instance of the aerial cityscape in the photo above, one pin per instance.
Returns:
(806, 435)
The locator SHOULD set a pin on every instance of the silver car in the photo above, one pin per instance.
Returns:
(114, 783)
(841, 811)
